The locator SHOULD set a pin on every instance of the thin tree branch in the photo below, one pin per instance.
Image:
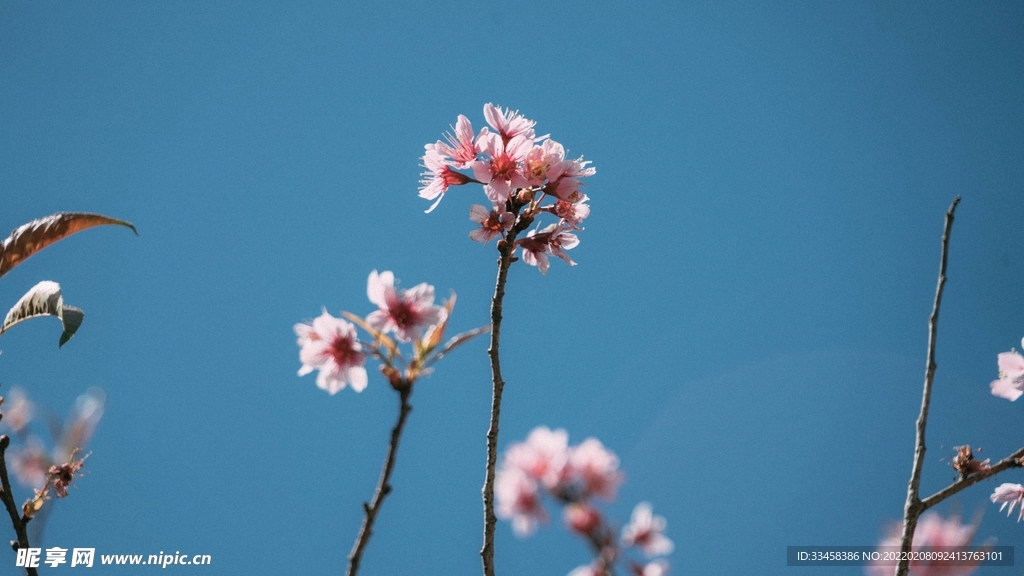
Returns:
(384, 484)
(506, 248)
(913, 507)
(1011, 461)
(12, 507)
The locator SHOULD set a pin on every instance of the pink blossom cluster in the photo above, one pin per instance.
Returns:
(519, 171)
(331, 345)
(932, 531)
(545, 466)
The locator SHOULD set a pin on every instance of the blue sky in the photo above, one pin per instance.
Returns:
(746, 327)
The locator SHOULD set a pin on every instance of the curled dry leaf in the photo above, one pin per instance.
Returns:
(44, 299)
(30, 238)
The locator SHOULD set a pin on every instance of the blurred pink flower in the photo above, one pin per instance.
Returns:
(597, 467)
(492, 223)
(656, 568)
(1012, 494)
(17, 410)
(519, 500)
(30, 463)
(932, 530)
(1011, 375)
(330, 345)
(582, 517)
(645, 531)
(438, 177)
(407, 313)
(509, 124)
(544, 456)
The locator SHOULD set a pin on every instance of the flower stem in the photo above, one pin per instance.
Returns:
(12, 508)
(383, 485)
(505, 249)
(914, 507)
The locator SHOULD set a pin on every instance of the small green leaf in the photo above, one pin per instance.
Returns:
(44, 299)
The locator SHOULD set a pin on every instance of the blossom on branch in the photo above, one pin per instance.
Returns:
(493, 223)
(645, 532)
(329, 344)
(1010, 384)
(407, 313)
(1012, 494)
(932, 531)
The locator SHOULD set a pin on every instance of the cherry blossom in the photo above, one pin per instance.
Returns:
(932, 530)
(582, 517)
(460, 146)
(407, 313)
(544, 456)
(504, 171)
(329, 345)
(655, 568)
(493, 223)
(438, 177)
(1012, 494)
(597, 467)
(509, 124)
(645, 531)
(1010, 384)
(18, 410)
(519, 500)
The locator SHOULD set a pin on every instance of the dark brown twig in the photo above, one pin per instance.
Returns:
(12, 507)
(914, 507)
(383, 485)
(505, 249)
(1011, 461)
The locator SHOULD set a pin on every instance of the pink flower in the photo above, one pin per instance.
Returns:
(503, 172)
(509, 124)
(493, 223)
(1011, 375)
(554, 239)
(932, 530)
(540, 159)
(572, 213)
(438, 177)
(645, 531)
(544, 456)
(17, 410)
(582, 518)
(330, 345)
(31, 463)
(534, 251)
(408, 313)
(598, 468)
(1012, 494)
(656, 568)
(564, 178)
(518, 497)
(460, 147)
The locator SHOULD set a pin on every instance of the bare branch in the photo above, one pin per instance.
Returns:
(913, 507)
(371, 509)
(12, 507)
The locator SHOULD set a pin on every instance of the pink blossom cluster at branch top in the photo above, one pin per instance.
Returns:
(518, 171)
(932, 530)
(331, 345)
(573, 476)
